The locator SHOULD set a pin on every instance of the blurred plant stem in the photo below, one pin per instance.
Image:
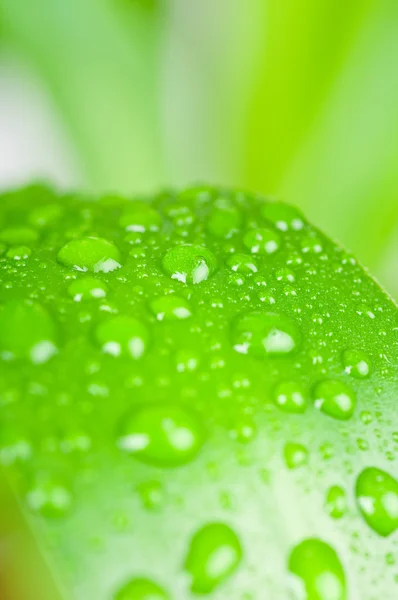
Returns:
(323, 121)
(304, 45)
(346, 174)
(99, 59)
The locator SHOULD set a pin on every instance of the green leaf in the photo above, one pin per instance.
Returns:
(191, 408)
(99, 60)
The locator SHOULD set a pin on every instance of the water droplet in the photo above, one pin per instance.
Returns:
(50, 497)
(290, 397)
(140, 217)
(265, 334)
(151, 494)
(336, 502)
(170, 308)
(356, 363)
(311, 245)
(18, 236)
(141, 589)
(283, 216)
(19, 252)
(224, 220)
(377, 496)
(44, 216)
(165, 436)
(187, 360)
(262, 241)
(90, 254)
(334, 398)
(189, 263)
(214, 554)
(296, 455)
(242, 263)
(123, 336)
(320, 569)
(87, 289)
(27, 331)
(285, 275)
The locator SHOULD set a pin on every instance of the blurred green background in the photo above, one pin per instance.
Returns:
(293, 98)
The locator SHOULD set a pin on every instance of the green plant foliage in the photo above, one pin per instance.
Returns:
(192, 408)
(99, 60)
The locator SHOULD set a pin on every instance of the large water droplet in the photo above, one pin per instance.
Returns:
(87, 289)
(377, 496)
(290, 397)
(320, 569)
(123, 336)
(334, 398)
(170, 308)
(141, 217)
(161, 435)
(266, 334)
(189, 263)
(141, 589)
(262, 241)
(90, 254)
(214, 554)
(18, 235)
(356, 363)
(27, 331)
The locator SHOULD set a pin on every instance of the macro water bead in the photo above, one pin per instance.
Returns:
(189, 264)
(262, 335)
(167, 436)
(90, 254)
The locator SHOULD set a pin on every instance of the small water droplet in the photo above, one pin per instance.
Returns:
(290, 397)
(27, 331)
(263, 334)
(262, 241)
(123, 336)
(87, 289)
(243, 264)
(189, 263)
(50, 497)
(376, 493)
(296, 455)
(140, 217)
(311, 245)
(356, 363)
(334, 398)
(214, 554)
(152, 495)
(319, 567)
(90, 254)
(19, 252)
(283, 216)
(224, 220)
(336, 502)
(170, 308)
(165, 436)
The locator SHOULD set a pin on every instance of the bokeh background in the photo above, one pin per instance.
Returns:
(293, 98)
